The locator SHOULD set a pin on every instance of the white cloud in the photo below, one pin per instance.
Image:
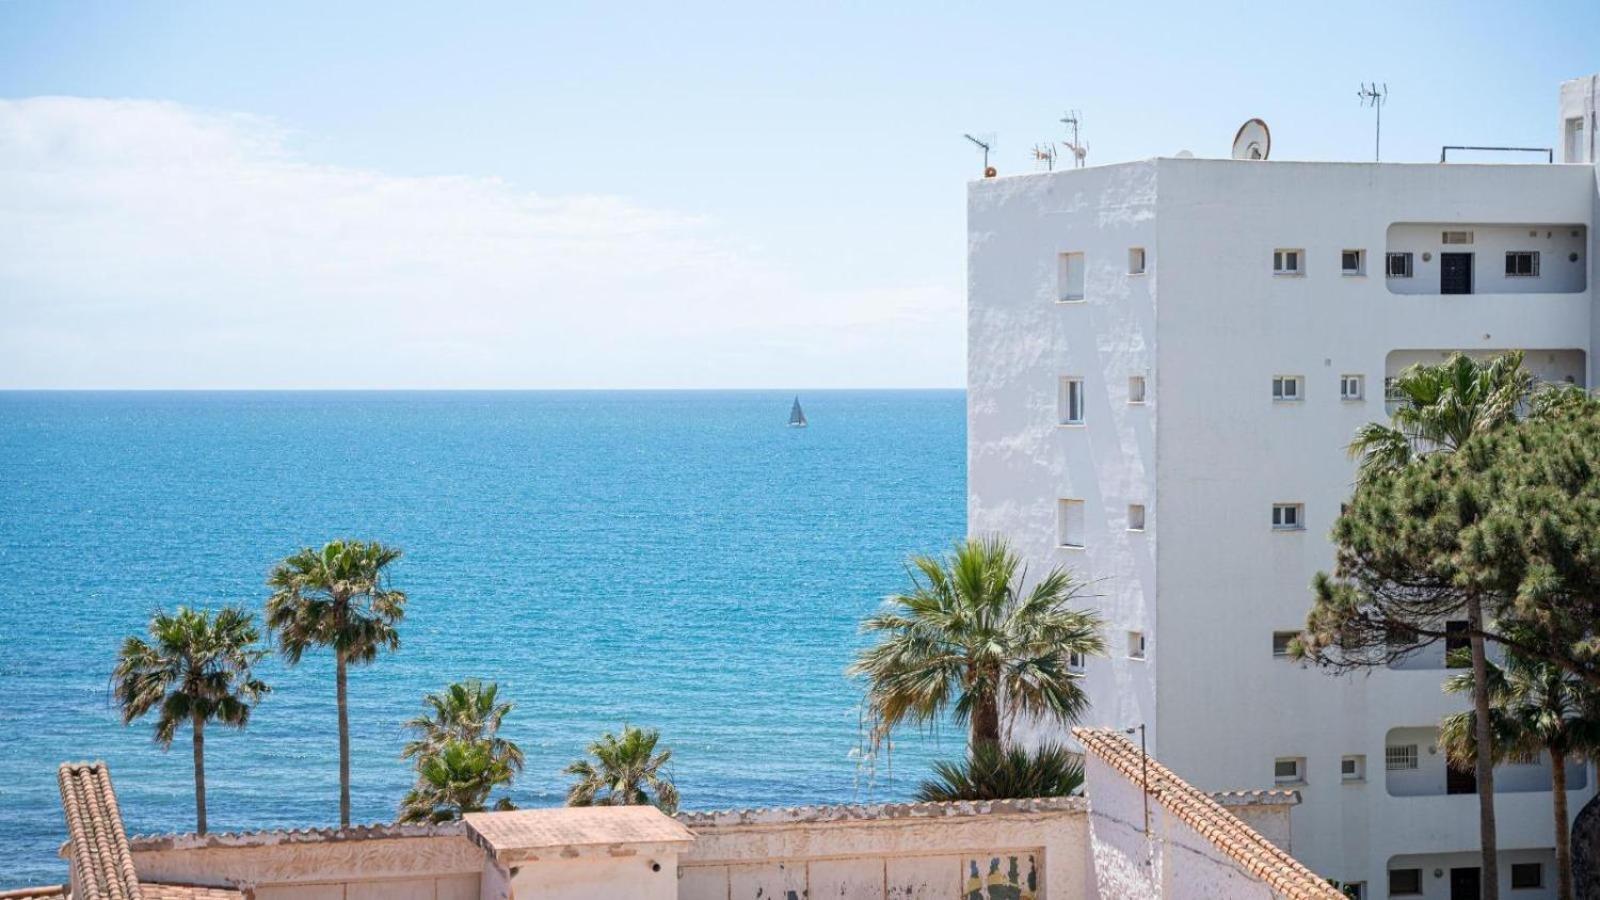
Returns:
(146, 244)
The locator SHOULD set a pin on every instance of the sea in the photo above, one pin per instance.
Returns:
(675, 560)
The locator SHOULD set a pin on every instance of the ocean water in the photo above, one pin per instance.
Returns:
(678, 560)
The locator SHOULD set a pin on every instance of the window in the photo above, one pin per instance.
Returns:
(1353, 768)
(1071, 401)
(1522, 264)
(1575, 147)
(1288, 516)
(1287, 262)
(1076, 661)
(1070, 274)
(1456, 640)
(1281, 641)
(1288, 387)
(1456, 237)
(1136, 261)
(1288, 770)
(1527, 875)
(1397, 265)
(1353, 262)
(1136, 517)
(1400, 758)
(1352, 387)
(1405, 881)
(1136, 389)
(1136, 645)
(1069, 514)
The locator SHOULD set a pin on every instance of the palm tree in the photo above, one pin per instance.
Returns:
(337, 597)
(1537, 707)
(465, 711)
(990, 773)
(196, 668)
(1440, 407)
(624, 771)
(966, 635)
(456, 779)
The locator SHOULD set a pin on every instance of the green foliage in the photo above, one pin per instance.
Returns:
(195, 666)
(336, 597)
(469, 711)
(992, 773)
(965, 635)
(1536, 707)
(624, 771)
(455, 779)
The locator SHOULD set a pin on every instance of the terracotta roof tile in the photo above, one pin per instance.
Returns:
(44, 892)
(187, 892)
(1197, 809)
(509, 834)
(100, 857)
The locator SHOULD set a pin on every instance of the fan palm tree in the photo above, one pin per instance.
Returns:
(1440, 407)
(1536, 708)
(196, 668)
(967, 635)
(455, 779)
(992, 773)
(465, 711)
(337, 597)
(624, 771)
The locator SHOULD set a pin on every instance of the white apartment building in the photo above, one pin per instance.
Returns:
(1167, 359)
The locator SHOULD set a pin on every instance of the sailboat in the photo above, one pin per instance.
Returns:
(797, 416)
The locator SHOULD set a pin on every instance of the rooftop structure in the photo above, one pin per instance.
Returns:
(1166, 361)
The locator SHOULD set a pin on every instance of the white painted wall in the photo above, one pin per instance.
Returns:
(583, 877)
(1436, 874)
(1209, 581)
(1555, 244)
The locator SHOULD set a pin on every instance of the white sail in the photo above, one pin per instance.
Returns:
(797, 416)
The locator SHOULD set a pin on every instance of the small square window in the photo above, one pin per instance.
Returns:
(1522, 264)
(1136, 389)
(1401, 758)
(1289, 769)
(1353, 262)
(1527, 875)
(1136, 517)
(1070, 402)
(1069, 522)
(1136, 261)
(1403, 882)
(1353, 768)
(1288, 262)
(1076, 661)
(1352, 387)
(1070, 277)
(1281, 641)
(1398, 265)
(1288, 516)
(1136, 645)
(1288, 387)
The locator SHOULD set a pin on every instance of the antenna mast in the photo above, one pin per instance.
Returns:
(1071, 119)
(986, 144)
(1375, 95)
(1045, 153)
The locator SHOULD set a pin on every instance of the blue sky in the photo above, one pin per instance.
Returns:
(672, 195)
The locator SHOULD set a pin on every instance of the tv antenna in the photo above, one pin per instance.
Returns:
(987, 144)
(1072, 119)
(1045, 153)
(1375, 95)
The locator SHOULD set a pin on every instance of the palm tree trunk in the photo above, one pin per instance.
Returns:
(1558, 788)
(1485, 756)
(985, 723)
(341, 677)
(199, 774)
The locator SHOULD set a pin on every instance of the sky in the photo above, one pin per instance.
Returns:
(674, 195)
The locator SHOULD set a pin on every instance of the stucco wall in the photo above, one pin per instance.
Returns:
(1555, 243)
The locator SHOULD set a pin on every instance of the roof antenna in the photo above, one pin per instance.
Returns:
(1072, 120)
(1374, 95)
(1045, 153)
(987, 144)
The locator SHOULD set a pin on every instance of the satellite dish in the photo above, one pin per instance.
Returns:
(1253, 141)
(1184, 154)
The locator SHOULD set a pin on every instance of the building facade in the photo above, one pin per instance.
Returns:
(1166, 362)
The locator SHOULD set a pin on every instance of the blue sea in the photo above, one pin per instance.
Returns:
(678, 560)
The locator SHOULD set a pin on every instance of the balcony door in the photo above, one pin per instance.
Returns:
(1455, 273)
(1465, 884)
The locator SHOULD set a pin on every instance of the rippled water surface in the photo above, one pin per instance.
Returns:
(673, 559)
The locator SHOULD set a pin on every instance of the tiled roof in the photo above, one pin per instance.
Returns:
(100, 857)
(507, 835)
(1283, 873)
(46, 892)
(875, 811)
(153, 891)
